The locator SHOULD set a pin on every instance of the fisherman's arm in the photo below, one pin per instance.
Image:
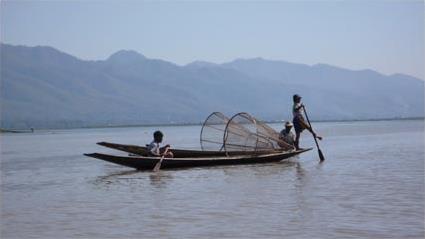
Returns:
(164, 149)
(300, 106)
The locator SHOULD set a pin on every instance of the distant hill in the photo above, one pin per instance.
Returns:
(42, 87)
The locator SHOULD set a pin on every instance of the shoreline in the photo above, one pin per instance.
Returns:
(26, 130)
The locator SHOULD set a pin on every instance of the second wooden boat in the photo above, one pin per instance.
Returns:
(179, 153)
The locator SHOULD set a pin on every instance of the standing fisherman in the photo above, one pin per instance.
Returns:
(299, 122)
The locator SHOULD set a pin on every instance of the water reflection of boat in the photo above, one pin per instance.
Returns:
(148, 163)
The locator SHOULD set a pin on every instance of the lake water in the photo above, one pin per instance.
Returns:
(370, 186)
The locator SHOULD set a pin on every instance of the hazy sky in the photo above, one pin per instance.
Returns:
(387, 36)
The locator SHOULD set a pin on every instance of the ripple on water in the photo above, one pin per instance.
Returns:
(370, 186)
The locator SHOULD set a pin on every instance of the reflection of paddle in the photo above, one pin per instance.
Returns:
(158, 165)
(322, 158)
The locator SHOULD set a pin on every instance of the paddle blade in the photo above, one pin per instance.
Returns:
(322, 158)
(157, 166)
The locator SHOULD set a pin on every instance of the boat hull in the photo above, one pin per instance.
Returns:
(148, 163)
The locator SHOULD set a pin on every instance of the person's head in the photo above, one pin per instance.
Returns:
(296, 98)
(288, 126)
(157, 136)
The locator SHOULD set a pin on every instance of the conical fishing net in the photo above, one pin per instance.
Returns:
(241, 133)
(212, 132)
(266, 131)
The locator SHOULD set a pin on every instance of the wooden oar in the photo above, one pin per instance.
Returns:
(158, 165)
(322, 158)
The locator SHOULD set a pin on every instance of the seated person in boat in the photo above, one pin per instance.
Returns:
(299, 122)
(154, 148)
(287, 137)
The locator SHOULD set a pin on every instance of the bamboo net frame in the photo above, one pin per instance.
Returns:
(241, 133)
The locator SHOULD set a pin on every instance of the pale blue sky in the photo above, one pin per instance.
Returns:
(387, 36)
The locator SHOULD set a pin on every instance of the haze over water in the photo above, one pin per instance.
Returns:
(370, 186)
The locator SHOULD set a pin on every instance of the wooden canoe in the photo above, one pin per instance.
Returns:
(16, 131)
(148, 163)
(178, 153)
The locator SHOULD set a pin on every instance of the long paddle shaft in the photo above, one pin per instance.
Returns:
(158, 165)
(322, 158)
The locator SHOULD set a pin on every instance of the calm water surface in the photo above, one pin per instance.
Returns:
(370, 186)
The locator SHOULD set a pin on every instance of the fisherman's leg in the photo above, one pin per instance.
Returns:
(314, 134)
(297, 140)
(307, 126)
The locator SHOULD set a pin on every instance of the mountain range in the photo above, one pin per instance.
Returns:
(42, 87)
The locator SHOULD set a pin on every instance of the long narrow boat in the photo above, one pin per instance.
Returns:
(178, 153)
(16, 131)
(148, 163)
